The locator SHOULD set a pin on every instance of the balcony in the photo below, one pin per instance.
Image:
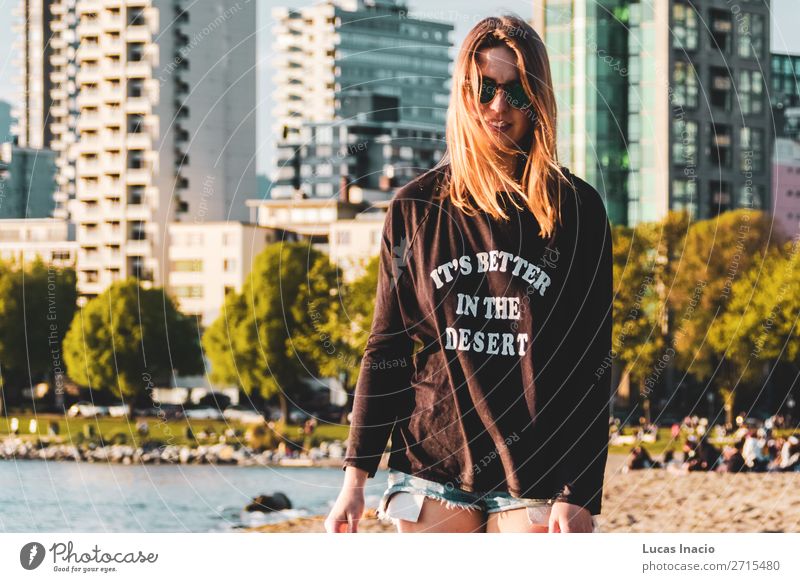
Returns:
(138, 105)
(139, 141)
(87, 75)
(89, 52)
(89, 28)
(138, 69)
(141, 176)
(89, 122)
(137, 247)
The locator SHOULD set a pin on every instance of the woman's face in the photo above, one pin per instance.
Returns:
(510, 124)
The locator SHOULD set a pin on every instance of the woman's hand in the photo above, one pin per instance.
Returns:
(569, 518)
(349, 506)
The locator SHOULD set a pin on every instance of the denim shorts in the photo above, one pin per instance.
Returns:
(417, 488)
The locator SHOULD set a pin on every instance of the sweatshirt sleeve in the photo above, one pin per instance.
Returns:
(383, 385)
(586, 392)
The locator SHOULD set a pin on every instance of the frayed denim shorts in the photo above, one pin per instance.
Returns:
(408, 506)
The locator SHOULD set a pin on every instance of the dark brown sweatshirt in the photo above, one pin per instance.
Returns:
(507, 388)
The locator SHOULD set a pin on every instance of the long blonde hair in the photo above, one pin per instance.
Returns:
(475, 177)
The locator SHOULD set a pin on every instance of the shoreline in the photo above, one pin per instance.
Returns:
(18, 449)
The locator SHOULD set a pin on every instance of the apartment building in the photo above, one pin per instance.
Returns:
(671, 95)
(164, 126)
(208, 260)
(345, 63)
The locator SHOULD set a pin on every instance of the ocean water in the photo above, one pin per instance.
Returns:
(42, 496)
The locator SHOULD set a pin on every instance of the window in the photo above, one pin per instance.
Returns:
(137, 231)
(751, 146)
(343, 237)
(684, 27)
(720, 145)
(190, 291)
(751, 35)
(136, 17)
(684, 142)
(135, 195)
(751, 92)
(751, 196)
(720, 29)
(135, 159)
(720, 92)
(685, 88)
(135, 123)
(684, 195)
(229, 265)
(135, 51)
(188, 266)
(720, 197)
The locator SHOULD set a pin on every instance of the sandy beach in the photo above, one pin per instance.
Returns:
(660, 501)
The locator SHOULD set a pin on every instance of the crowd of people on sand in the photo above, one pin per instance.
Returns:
(748, 448)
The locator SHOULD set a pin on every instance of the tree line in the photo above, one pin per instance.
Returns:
(711, 303)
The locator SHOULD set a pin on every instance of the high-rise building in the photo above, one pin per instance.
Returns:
(6, 121)
(693, 114)
(33, 28)
(63, 119)
(165, 128)
(27, 182)
(785, 95)
(337, 53)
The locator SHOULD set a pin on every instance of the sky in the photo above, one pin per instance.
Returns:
(785, 18)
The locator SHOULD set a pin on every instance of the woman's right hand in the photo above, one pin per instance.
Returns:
(349, 506)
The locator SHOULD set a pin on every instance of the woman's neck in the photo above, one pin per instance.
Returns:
(513, 165)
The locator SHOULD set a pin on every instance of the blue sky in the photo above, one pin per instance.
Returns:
(786, 15)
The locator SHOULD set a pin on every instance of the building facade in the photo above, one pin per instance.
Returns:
(352, 62)
(209, 260)
(27, 182)
(50, 239)
(785, 95)
(786, 184)
(688, 98)
(153, 105)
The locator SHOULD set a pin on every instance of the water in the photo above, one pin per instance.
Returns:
(41, 496)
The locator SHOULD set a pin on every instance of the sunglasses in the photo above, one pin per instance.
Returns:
(515, 92)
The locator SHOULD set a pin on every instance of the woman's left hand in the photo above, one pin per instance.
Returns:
(569, 518)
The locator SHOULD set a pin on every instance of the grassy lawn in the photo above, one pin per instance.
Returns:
(169, 432)
(664, 441)
(174, 431)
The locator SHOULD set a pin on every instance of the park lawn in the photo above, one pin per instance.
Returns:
(168, 432)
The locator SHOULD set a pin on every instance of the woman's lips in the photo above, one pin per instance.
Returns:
(499, 126)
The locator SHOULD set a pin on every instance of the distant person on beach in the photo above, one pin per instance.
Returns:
(641, 459)
(487, 360)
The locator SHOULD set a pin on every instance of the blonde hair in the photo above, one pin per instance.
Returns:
(475, 177)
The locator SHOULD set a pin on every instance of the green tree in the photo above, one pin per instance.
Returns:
(760, 323)
(717, 253)
(262, 339)
(342, 322)
(129, 340)
(37, 303)
(636, 338)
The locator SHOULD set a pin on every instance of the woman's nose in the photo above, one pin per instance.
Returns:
(499, 103)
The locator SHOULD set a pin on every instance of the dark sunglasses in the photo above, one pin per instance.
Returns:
(515, 92)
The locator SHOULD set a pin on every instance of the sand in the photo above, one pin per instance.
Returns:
(656, 500)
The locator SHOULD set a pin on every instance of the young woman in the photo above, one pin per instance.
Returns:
(487, 358)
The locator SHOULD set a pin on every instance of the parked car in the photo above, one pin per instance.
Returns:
(207, 413)
(119, 410)
(166, 411)
(243, 414)
(86, 409)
